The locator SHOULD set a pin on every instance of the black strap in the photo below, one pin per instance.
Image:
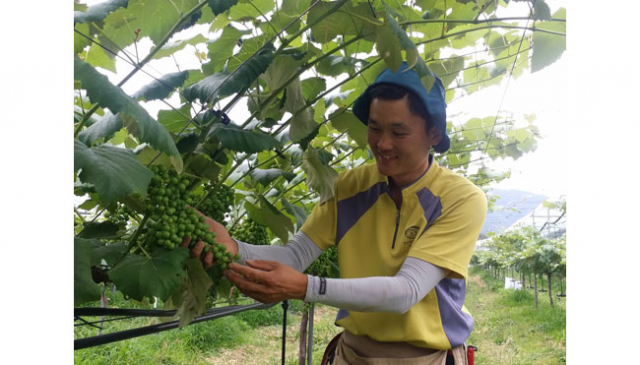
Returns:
(330, 352)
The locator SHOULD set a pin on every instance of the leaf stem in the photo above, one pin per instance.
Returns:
(78, 214)
(278, 34)
(435, 21)
(365, 19)
(490, 27)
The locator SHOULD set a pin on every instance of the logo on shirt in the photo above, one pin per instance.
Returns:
(411, 234)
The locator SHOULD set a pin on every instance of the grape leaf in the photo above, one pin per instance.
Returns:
(349, 20)
(113, 171)
(266, 176)
(175, 120)
(220, 6)
(145, 154)
(99, 230)
(223, 84)
(236, 139)
(84, 288)
(193, 293)
(312, 87)
(96, 13)
(448, 69)
(250, 47)
(251, 10)
(297, 212)
(97, 57)
(345, 121)
(158, 276)
(201, 165)
(144, 18)
(335, 65)
(388, 47)
(221, 49)
(80, 41)
(172, 47)
(162, 87)
(188, 143)
(109, 253)
(547, 48)
(280, 71)
(541, 10)
(268, 216)
(413, 57)
(104, 128)
(320, 177)
(101, 91)
(302, 122)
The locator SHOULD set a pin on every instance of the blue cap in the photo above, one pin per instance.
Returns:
(434, 101)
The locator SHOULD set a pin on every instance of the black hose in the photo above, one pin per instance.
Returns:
(285, 305)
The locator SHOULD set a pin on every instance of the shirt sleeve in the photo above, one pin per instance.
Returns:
(450, 240)
(298, 253)
(321, 224)
(396, 294)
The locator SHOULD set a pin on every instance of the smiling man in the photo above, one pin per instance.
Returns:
(405, 228)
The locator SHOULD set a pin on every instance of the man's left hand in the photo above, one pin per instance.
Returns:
(268, 281)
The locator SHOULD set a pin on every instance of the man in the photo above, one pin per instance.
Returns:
(405, 229)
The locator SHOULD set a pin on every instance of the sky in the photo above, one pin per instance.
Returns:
(543, 94)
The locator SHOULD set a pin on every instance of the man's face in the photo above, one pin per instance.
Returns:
(399, 140)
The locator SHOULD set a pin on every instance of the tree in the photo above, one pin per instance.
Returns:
(298, 66)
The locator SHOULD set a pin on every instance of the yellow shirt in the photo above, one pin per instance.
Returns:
(439, 222)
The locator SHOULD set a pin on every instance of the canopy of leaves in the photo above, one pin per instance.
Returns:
(296, 67)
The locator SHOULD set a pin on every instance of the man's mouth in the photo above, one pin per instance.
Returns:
(387, 157)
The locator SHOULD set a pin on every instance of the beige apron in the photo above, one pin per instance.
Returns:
(362, 350)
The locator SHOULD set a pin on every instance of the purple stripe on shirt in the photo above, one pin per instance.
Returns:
(351, 209)
(342, 313)
(456, 324)
(430, 205)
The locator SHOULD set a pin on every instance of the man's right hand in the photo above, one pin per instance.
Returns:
(222, 236)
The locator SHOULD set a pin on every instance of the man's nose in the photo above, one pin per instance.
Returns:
(385, 142)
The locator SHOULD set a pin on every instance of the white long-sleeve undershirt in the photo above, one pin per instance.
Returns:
(396, 294)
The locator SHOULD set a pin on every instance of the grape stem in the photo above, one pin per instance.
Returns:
(132, 243)
(145, 252)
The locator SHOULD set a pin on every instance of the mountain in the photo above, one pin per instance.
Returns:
(510, 205)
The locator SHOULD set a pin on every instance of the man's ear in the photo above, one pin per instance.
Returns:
(435, 135)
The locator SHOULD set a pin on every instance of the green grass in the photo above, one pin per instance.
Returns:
(509, 330)
(194, 344)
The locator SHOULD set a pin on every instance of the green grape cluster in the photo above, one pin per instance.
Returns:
(121, 216)
(170, 219)
(251, 232)
(322, 265)
(218, 202)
